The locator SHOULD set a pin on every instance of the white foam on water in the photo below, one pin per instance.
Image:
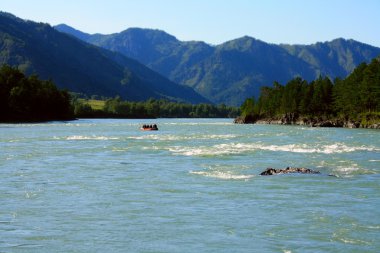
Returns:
(226, 175)
(199, 151)
(237, 148)
(151, 148)
(220, 149)
(353, 241)
(199, 123)
(351, 170)
(182, 137)
(218, 136)
(144, 137)
(347, 170)
(81, 137)
(226, 172)
(335, 148)
(373, 227)
(120, 149)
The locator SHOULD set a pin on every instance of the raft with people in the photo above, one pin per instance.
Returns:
(149, 127)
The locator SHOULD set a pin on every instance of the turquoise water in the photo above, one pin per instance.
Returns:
(192, 186)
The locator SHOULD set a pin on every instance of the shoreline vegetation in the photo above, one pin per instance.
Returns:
(352, 102)
(371, 121)
(152, 108)
(30, 100)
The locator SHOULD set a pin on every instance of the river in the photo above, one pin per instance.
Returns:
(102, 185)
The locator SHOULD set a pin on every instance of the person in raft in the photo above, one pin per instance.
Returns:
(151, 127)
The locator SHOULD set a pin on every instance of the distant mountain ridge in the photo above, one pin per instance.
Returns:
(81, 67)
(234, 70)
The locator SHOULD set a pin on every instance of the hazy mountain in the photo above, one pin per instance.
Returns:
(236, 69)
(81, 67)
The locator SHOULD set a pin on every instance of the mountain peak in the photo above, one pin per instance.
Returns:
(153, 35)
(9, 15)
(80, 67)
(70, 30)
(245, 43)
(244, 39)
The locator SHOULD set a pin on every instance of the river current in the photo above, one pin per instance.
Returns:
(103, 185)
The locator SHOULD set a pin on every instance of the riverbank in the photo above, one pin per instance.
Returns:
(291, 119)
(35, 121)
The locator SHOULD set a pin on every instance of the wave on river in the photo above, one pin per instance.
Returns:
(237, 148)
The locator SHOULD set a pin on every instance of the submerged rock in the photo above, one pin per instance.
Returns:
(271, 171)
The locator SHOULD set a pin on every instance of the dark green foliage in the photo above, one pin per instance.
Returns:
(248, 107)
(370, 87)
(359, 92)
(166, 109)
(237, 69)
(30, 99)
(82, 110)
(80, 67)
(117, 108)
(321, 97)
(355, 98)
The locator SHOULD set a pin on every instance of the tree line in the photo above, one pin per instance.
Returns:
(25, 98)
(29, 99)
(351, 99)
(153, 108)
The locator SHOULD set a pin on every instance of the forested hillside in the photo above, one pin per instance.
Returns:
(37, 48)
(237, 69)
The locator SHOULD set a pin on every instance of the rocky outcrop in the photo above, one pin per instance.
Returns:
(271, 171)
(289, 118)
(294, 119)
(285, 119)
(373, 126)
(248, 119)
(350, 124)
(318, 122)
(239, 120)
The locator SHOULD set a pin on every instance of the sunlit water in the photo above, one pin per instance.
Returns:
(192, 186)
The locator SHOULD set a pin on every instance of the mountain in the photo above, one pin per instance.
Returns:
(237, 69)
(337, 58)
(81, 67)
(70, 30)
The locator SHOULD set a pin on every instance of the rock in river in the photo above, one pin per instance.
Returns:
(271, 171)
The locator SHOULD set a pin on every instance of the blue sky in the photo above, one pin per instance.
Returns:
(215, 21)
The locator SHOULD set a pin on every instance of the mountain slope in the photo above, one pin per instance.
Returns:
(81, 67)
(237, 69)
(240, 67)
(337, 58)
